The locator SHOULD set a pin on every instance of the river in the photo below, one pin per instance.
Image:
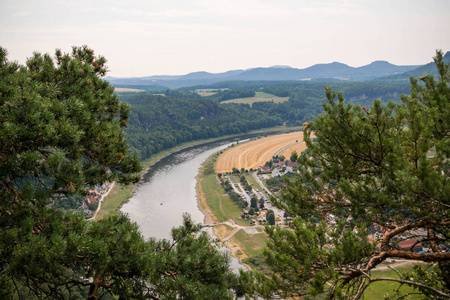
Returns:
(168, 190)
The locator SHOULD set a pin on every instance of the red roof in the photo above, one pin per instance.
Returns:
(407, 244)
(91, 200)
(291, 164)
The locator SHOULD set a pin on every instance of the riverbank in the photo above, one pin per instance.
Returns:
(244, 242)
(120, 194)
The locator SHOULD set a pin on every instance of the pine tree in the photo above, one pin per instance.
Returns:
(60, 133)
(386, 167)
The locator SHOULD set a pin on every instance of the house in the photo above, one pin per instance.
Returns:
(292, 164)
(265, 169)
(276, 172)
(408, 245)
(91, 200)
(84, 207)
(289, 170)
(411, 244)
(93, 193)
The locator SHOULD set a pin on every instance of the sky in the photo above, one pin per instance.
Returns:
(148, 37)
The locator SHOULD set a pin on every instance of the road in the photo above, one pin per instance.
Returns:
(276, 211)
(241, 192)
(255, 176)
(101, 201)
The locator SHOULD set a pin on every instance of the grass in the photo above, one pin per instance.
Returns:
(207, 92)
(223, 230)
(251, 244)
(115, 199)
(242, 222)
(378, 289)
(252, 181)
(259, 97)
(213, 196)
(223, 207)
(230, 208)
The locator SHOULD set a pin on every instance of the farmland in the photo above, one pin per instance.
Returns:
(297, 147)
(259, 97)
(127, 90)
(255, 153)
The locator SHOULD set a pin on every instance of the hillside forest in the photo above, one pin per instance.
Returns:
(160, 120)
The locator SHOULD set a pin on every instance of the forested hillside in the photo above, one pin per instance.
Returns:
(158, 122)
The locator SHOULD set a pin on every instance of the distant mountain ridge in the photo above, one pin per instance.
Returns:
(377, 70)
(428, 68)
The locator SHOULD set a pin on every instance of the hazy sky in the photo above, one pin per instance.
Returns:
(148, 37)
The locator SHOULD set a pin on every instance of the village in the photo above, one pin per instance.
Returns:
(266, 185)
(256, 187)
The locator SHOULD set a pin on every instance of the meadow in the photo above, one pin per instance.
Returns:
(259, 97)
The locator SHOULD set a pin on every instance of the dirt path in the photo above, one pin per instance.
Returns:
(101, 201)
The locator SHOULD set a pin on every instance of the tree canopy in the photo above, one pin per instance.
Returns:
(384, 169)
(61, 133)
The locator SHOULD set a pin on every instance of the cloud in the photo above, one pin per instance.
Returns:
(21, 14)
(247, 8)
(165, 13)
(339, 8)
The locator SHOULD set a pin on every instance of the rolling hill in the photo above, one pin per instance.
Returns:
(380, 71)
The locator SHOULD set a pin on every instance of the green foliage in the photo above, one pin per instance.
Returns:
(182, 94)
(235, 197)
(228, 94)
(158, 122)
(278, 180)
(253, 202)
(61, 132)
(270, 217)
(369, 166)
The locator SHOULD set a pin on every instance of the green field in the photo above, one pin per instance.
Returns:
(230, 209)
(114, 200)
(207, 92)
(221, 205)
(259, 97)
(214, 196)
(251, 244)
(242, 222)
(378, 289)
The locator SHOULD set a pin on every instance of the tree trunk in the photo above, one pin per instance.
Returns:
(94, 287)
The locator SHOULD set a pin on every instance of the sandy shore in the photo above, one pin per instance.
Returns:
(202, 204)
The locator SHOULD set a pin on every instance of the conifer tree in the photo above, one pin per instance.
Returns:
(384, 167)
(60, 133)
